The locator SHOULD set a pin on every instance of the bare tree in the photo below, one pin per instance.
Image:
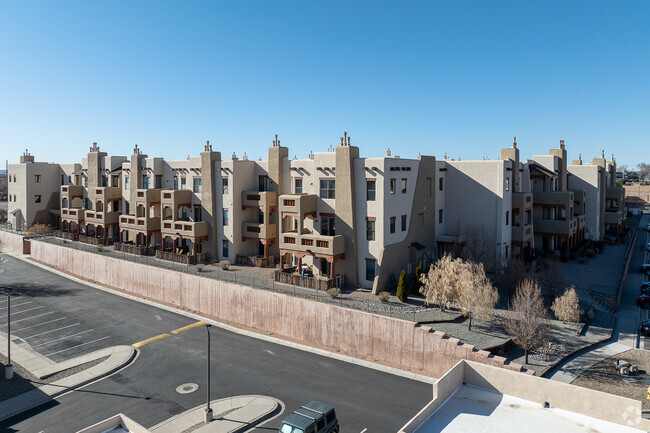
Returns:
(552, 279)
(567, 306)
(511, 273)
(476, 296)
(527, 321)
(479, 246)
(440, 283)
(644, 170)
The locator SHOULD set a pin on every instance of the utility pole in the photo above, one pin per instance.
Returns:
(208, 410)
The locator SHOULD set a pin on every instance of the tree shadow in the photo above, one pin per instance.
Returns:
(35, 290)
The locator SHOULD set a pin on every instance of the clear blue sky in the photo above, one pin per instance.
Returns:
(460, 77)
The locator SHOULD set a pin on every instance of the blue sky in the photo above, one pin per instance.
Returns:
(459, 77)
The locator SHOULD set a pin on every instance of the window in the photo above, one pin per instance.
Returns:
(370, 190)
(10, 194)
(260, 216)
(126, 182)
(198, 213)
(403, 223)
(370, 270)
(126, 207)
(62, 180)
(225, 217)
(507, 217)
(441, 183)
(85, 181)
(14, 194)
(116, 181)
(37, 178)
(370, 230)
(9, 178)
(37, 199)
(145, 182)
(297, 185)
(224, 248)
(327, 225)
(403, 186)
(158, 182)
(507, 184)
(393, 183)
(183, 183)
(327, 188)
(440, 216)
(263, 183)
(224, 185)
(14, 181)
(528, 217)
(175, 182)
(392, 224)
(197, 184)
(104, 181)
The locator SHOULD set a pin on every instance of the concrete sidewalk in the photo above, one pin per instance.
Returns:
(233, 414)
(575, 367)
(42, 367)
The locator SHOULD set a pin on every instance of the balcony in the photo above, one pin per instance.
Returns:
(553, 198)
(615, 217)
(143, 224)
(522, 201)
(176, 198)
(259, 199)
(187, 259)
(187, 229)
(73, 214)
(301, 205)
(259, 231)
(318, 283)
(102, 218)
(108, 193)
(556, 227)
(72, 191)
(522, 233)
(147, 197)
(313, 244)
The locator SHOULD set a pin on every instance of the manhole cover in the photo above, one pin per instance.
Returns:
(187, 388)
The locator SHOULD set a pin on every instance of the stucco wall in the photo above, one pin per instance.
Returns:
(11, 241)
(362, 335)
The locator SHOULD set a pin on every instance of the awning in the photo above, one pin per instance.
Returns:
(117, 170)
(451, 239)
(15, 212)
(535, 166)
(418, 246)
(80, 171)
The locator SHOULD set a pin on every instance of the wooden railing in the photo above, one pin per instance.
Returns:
(131, 249)
(258, 262)
(319, 283)
(187, 259)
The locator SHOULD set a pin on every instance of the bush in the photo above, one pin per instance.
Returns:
(38, 229)
(200, 267)
(415, 287)
(384, 296)
(590, 253)
(99, 248)
(582, 260)
(402, 290)
(224, 264)
(334, 292)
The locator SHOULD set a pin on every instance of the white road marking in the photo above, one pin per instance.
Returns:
(28, 318)
(269, 352)
(24, 311)
(52, 330)
(157, 316)
(63, 338)
(18, 305)
(82, 344)
(364, 430)
(39, 324)
(13, 299)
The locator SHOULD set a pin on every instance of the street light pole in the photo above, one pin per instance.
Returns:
(9, 369)
(208, 410)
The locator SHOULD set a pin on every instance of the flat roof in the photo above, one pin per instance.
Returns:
(471, 409)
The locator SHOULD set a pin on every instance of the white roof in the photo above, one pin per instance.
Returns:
(471, 409)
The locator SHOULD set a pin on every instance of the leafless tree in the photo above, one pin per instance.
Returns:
(440, 283)
(476, 295)
(567, 306)
(644, 170)
(511, 273)
(552, 279)
(527, 321)
(479, 246)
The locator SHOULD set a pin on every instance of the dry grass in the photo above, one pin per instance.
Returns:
(603, 376)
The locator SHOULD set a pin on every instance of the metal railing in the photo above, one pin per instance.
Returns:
(131, 249)
(258, 262)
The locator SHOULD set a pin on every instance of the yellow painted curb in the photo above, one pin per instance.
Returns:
(188, 327)
(150, 340)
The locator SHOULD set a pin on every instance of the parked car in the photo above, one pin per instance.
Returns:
(645, 328)
(645, 268)
(647, 247)
(314, 417)
(644, 289)
(643, 300)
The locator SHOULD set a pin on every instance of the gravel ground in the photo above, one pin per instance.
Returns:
(24, 381)
(603, 377)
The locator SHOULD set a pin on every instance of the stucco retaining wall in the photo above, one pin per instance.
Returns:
(362, 335)
(12, 241)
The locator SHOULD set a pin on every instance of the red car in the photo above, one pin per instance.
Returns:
(643, 300)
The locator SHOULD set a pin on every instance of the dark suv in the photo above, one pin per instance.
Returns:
(314, 417)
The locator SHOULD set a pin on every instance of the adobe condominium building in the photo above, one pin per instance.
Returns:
(332, 219)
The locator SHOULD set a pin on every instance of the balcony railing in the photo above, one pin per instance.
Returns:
(94, 241)
(66, 235)
(319, 283)
(190, 229)
(132, 249)
(257, 261)
(187, 259)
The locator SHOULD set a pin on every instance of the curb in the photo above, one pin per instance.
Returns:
(120, 357)
(576, 353)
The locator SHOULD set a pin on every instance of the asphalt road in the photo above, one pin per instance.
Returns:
(145, 391)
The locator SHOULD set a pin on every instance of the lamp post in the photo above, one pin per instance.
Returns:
(208, 410)
(9, 369)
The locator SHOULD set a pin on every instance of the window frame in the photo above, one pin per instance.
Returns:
(371, 191)
(393, 223)
(403, 223)
(372, 272)
(404, 185)
(327, 192)
(370, 229)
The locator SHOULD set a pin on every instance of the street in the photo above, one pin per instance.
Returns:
(82, 319)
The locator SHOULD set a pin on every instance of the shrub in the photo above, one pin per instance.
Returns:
(200, 267)
(224, 264)
(402, 290)
(384, 296)
(567, 306)
(334, 292)
(38, 229)
(590, 253)
(99, 248)
(582, 260)
(415, 287)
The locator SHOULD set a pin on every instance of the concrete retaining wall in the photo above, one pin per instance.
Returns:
(12, 241)
(362, 335)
